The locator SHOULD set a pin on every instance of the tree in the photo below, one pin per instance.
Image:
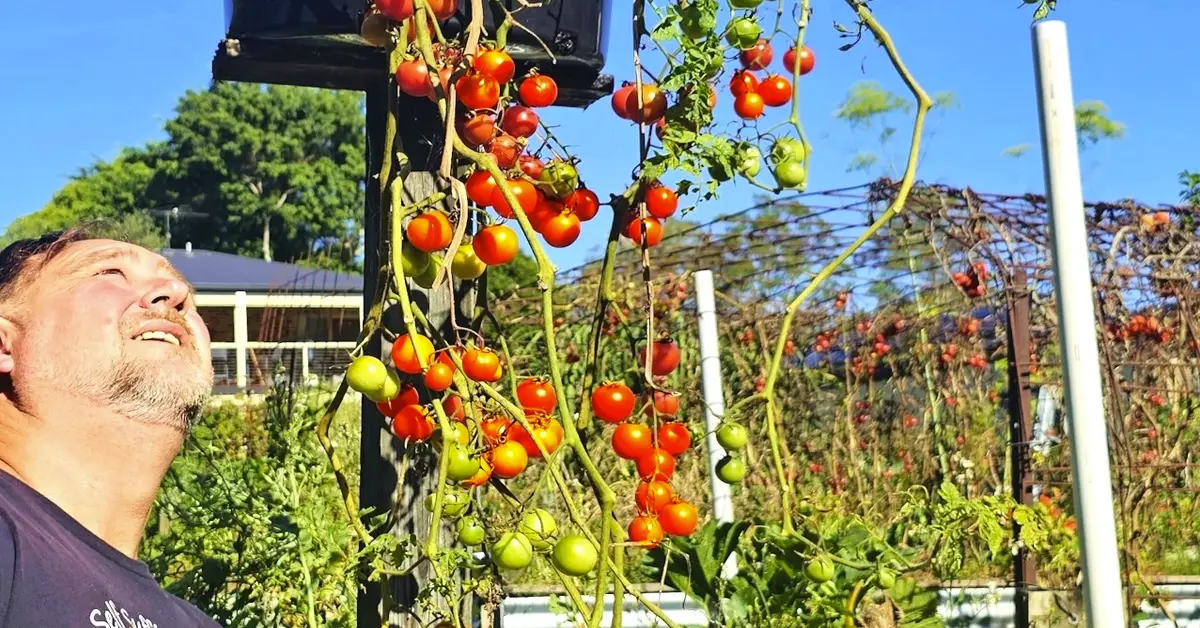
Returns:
(274, 172)
(277, 169)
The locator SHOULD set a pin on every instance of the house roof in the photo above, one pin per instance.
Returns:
(212, 271)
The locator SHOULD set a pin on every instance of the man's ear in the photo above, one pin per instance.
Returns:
(8, 338)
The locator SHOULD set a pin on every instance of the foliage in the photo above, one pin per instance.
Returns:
(249, 524)
(271, 172)
(291, 183)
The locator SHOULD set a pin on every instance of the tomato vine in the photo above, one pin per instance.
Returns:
(490, 174)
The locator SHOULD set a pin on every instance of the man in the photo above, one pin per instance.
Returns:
(104, 367)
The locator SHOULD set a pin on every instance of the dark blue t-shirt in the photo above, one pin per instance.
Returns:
(54, 572)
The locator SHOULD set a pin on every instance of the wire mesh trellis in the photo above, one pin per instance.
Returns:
(896, 370)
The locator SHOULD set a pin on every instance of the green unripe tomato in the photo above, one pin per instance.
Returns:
(470, 532)
(454, 503)
(820, 569)
(695, 24)
(790, 174)
(512, 551)
(887, 578)
(732, 436)
(561, 177)
(744, 4)
(743, 33)
(461, 464)
(413, 260)
(425, 279)
(748, 160)
(574, 555)
(788, 149)
(539, 527)
(368, 375)
(731, 470)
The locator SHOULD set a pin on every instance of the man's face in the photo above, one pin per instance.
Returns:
(116, 325)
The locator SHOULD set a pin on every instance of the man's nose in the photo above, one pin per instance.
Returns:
(166, 292)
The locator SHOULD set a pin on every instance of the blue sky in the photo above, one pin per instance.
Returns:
(84, 80)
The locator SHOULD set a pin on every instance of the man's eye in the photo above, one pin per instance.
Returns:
(112, 271)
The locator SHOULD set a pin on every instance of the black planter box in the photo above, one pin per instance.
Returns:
(316, 43)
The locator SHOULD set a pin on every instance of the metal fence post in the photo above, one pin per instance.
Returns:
(1021, 434)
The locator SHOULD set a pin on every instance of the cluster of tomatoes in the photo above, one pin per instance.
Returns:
(653, 452)
(482, 447)
(973, 282)
(1142, 326)
(751, 94)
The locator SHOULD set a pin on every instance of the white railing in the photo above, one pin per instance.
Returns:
(307, 362)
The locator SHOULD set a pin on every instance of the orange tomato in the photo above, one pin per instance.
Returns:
(431, 231)
(561, 230)
(482, 365)
(509, 459)
(495, 245)
(408, 353)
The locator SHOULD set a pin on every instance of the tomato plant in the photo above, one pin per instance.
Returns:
(506, 408)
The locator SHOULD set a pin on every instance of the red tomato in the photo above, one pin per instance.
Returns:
(646, 531)
(537, 394)
(653, 496)
(539, 91)
(666, 404)
(412, 77)
(397, 10)
(546, 209)
(661, 201)
(440, 376)
(497, 64)
(482, 365)
(631, 440)
(749, 106)
(526, 193)
(758, 56)
(808, 59)
(477, 130)
(583, 203)
(654, 231)
(478, 91)
(408, 396)
(664, 358)
(620, 98)
(509, 459)
(506, 150)
(480, 186)
(678, 518)
(743, 82)
(519, 121)
(654, 104)
(656, 464)
(775, 90)
(443, 9)
(561, 230)
(531, 166)
(613, 402)
(674, 438)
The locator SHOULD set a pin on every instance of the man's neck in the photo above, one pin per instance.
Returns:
(103, 470)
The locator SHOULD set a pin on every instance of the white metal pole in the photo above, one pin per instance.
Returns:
(714, 401)
(1077, 329)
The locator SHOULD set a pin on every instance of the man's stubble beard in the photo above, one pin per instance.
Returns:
(154, 393)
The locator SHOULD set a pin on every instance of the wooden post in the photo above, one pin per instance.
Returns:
(1021, 433)
(397, 478)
